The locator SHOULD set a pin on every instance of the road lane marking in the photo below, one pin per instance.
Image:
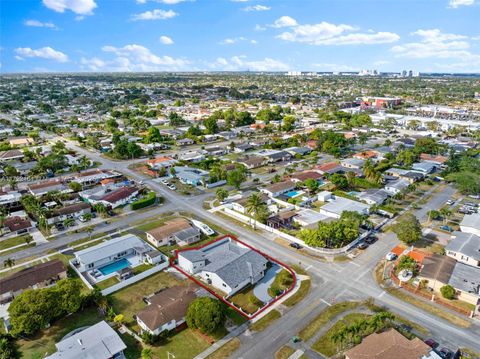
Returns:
(358, 265)
(381, 294)
(310, 266)
(327, 303)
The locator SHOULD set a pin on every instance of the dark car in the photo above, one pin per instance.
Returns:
(431, 343)
(371, 240)
(295, 245)
(363, 245)
(446, 353)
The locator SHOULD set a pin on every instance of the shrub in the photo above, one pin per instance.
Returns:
(146, 201)
(448, 292)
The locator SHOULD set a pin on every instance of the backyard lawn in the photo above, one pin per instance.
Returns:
(128, 301)
(44, 342)
(185, 344)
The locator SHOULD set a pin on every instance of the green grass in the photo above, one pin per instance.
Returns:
(243, 300)
(44, 342)
(226, 350)
(300, 294)
(22, 248)
(185, 344)
(14, 241)
(284, 352)
(324, 317)
(324, 345)
(282, 281)
(128, 301)
(107, 283)
(235, 316)
(264, 322)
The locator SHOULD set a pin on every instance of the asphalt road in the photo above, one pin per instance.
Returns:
(331, 282)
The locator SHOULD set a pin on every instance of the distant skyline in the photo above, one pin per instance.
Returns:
(239, 35)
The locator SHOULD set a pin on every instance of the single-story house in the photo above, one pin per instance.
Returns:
(303, 176)
(471, 224)
(425, 167)
(94, 177)
(99, 341)
(128, 248)
(279, 188)
(166, 310)
(191, 156)
(354, 163)
(282, 219)
(365, 155)
(190, 175)
(465, 248)
(309, 218)
(21, 141)
(439, 160)
(241, 204)
(178, 230)
(373, 196)
(336, 207)
(389, 344)
(276, 156)
(38, 276)
(397, 186)
(409, 175)
(10, 199)
(439, 271)
(71, 211)
(161, 162)
(226, 264)
(302, 151)
(325, 196)
(18, 224)
(253, 162)
(185, 142)
(216, 151)
(110, 196)
(41, 188)
(11, 155)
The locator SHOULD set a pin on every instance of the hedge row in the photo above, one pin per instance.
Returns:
(148, 200)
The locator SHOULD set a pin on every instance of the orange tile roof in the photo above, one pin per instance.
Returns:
(365, 154)
(159, 160)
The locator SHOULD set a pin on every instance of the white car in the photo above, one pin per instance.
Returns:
(391, 256)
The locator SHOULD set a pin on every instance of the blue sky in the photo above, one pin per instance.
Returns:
(257, 35)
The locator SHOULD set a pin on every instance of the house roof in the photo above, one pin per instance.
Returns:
(110, 248)
(30, 276)
(17, 223)
(230, 261)
(99, 341)
(428, 157)
(466, 243)
(465, 278)
(303, 176)
(52, 185)
(388, 345)
(438, 267)
(119, 194)
(365, 154)
(280, 186)
(327, 167)
(253, 160)
(471, 220)
(169, 228)
(5, 155)
(341, 204)
(73, 208)
(170, 304)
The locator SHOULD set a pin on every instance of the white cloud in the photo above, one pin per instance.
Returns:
(285, 21)
(260, 28)
(44, 53)
(166, 40)
(157, 14)
(82, 7)
(239, 63)
(434, 43)
(257, 8)
(456, 3)
(232, 40)
(325, 33)
(36, 23)
(135, 57)
(167, 2)
(254, 42)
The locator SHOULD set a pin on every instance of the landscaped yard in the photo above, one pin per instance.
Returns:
(324, 317)
(299, 294)
(325, 345)
(128, 301)
(246, 300)
(44, 342)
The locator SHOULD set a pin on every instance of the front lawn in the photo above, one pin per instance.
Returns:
(44, 342)
(185, 344)
(246, 300)
(128, 301)
(14, 241)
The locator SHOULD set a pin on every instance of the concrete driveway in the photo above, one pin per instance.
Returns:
(261, 288)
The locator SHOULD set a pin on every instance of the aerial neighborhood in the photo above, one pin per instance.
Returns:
(242, 215)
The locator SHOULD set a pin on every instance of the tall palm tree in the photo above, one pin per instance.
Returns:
(9, 262)
(84, 162)
(255, 206)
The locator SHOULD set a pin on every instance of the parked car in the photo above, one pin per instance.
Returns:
(447, 228)
(363, 245)
(431, 343)
(391, 256)
(445, 353)
(172, 187)
(371, 239)
(295, 245)
(450, 202)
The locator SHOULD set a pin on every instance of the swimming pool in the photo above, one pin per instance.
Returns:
(292, 194)
(115, 266)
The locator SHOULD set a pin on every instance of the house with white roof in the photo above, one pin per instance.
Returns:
(465, 248)
(338, 205)
(99, 341)
(471, 224)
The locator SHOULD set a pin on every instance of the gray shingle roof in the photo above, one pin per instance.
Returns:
(471, 220)
(465, 278)
(466, 243)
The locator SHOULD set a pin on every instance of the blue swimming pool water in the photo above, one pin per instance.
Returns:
(292, 194)
(113, 267)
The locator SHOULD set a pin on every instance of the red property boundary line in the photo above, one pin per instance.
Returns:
(200, 283)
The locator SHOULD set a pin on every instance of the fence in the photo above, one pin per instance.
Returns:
(288, 237)
(125, 283)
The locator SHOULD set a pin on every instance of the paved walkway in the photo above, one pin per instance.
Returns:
(261, 288)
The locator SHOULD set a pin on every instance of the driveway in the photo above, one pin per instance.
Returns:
(261, 288)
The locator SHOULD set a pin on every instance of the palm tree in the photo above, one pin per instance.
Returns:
(254, 206)
(84, 162)
(101, 209)
(12, 182)
(9, 262)
(146, 353)
(446, 213)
